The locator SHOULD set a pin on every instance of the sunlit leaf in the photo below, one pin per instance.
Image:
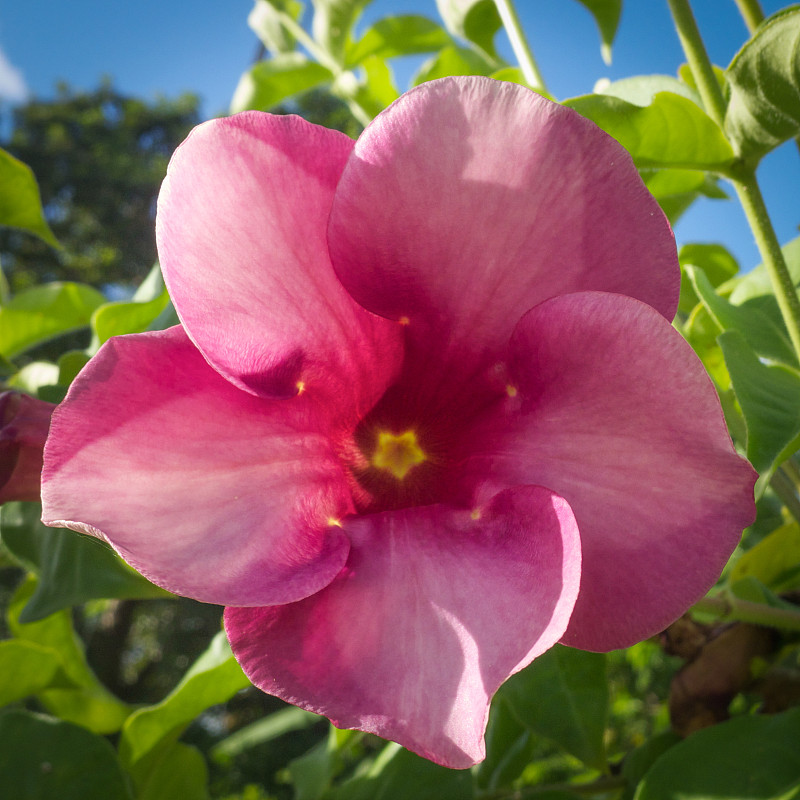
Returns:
(701, 331)
(764, 335)
(606, 14)
(769, 395)
(677, 189)
(214, 678)
(453, 60)
(265, 21)
(333, 22)
(775, 560)
(43, 758)
(764, 79)
(563, 695)
(20, 204)
(113, 319)
(270, 82)
(641, 89)
(91, 705)
(398, 36)
(73, 568)
(670, 132)
(29, 668)
(36, 315)
(756, 283)
(717, 263)
(372, 94)
(34, 377)
(474, 20)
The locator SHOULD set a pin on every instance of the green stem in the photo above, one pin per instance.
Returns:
(752, 13)
(770, 249)
(519, 44)
(731, 608)
(745, 179)
(696, 55)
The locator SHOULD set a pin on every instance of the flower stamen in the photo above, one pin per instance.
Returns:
(397, 453)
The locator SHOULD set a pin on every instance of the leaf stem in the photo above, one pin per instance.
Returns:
(755, 210)
(744, 179)
(519, 44)
(752, 13)
(698, 59)
(727, 606)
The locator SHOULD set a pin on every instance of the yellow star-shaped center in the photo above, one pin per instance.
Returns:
(397, 453)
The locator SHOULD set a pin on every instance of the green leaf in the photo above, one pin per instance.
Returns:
(38, 314)
(746, 757)
(35, 376)
(333, 21)
(756, 283)
(70, 364)
(73, 568)
(775, 560)
(769, 395)
(672, 131)
(764, 79)
(113, 319)
(398, 36)
(474, 20)
(44, 758)
(398, 774)
(214, 678)
(452, 60)
(264, 730)
(265, 21)
(374, 93)
(766, 337)
(563, 695)
(641, 89)
(29, 668)
(20, 204)
(606, 14)
(753, 590)
(270, 82)
(91, 705)
(714, 260)
(677, 189)
(175, 770)
(509, 748)
(639, 761)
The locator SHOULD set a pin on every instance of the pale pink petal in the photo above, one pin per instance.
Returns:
(208, 491)
(434, 610)
(469, 201)
(241, 225)
(614, 412)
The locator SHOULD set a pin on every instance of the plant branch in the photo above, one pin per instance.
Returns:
(727, 606)
(519, 44)
(752, 13)
(698, 59)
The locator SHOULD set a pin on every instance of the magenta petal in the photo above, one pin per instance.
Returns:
(208, 491)
(615, 412)
(470, 200)
(241, 229)
(434, 610)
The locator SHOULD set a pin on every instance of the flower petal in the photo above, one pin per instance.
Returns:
(469, 201)
(615, 413)
(241, 228)
(434, 610)
(206, 490)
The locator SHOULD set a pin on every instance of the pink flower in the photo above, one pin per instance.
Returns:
(425, 415)
(24, 421)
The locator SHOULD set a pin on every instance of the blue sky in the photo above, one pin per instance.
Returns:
(169, 46)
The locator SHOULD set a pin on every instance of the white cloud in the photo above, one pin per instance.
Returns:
(12, 84)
